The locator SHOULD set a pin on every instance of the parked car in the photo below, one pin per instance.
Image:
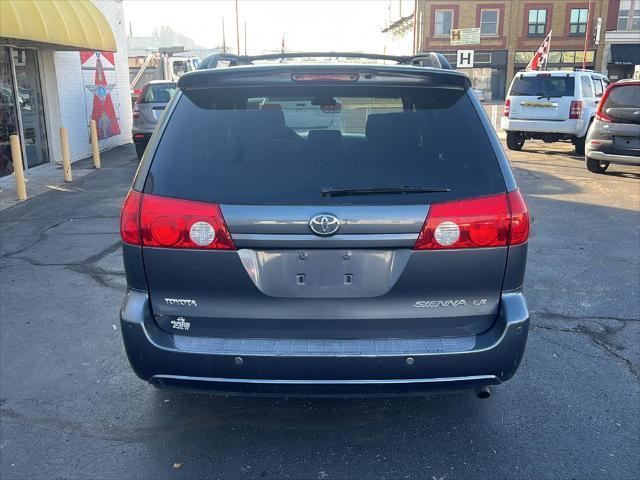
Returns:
(262, 261)
(147, 110)
(614, 136)
(552, 106)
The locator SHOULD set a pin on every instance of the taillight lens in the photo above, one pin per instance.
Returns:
(331, 77)
(155, 221)
(507, 107)
(600, 115)
(172, 223)
(519, 231)
(494, 221)
(575, 110)
(130, 218)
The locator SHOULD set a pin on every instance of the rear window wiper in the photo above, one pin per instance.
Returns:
(345, 192)
(549, 97)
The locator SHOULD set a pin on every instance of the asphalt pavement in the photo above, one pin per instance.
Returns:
(71, 407)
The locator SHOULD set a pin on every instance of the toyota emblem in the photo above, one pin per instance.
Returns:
(324, 224)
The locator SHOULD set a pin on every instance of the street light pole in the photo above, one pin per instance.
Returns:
(237, 28)
(586, 37)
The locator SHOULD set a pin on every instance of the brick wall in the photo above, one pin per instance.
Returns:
(71, 91)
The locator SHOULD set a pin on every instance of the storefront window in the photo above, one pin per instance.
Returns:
(8, 114)
(34, 133)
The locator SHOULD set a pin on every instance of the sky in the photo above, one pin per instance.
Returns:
(334, 25)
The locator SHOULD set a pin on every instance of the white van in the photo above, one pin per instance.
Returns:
(552, 106)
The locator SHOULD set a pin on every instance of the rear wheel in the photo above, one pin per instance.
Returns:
(578, 143)
(597, 166)
(515, 140)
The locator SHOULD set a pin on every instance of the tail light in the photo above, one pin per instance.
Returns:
(335, 108)
(319, 77)
(507, 107)
(600, 115)
(136, 108)
(494, 221)
(154, 221)
(575, 110)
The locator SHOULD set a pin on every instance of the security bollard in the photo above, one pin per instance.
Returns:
(66, 160)
(18, 169)
(94, 144)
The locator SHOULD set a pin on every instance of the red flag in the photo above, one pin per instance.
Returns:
(539, 60)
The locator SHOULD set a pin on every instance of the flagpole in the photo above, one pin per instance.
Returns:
(546, 60)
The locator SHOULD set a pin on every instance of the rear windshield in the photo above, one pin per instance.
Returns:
(277, 145)
(543, 86)
(623, 96)
(159, 93)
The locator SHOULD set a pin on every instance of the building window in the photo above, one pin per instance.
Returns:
(444, 22)
(489, 22)
(578, 21)
(629, 15)
(537, 21)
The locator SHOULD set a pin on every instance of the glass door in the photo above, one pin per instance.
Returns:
(29, 93)
(8, 112)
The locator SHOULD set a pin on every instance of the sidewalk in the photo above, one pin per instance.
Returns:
(48, 177)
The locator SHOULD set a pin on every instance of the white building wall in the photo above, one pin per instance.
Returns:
(71, 92)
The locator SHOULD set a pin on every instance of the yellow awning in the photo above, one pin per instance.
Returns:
(69, 24)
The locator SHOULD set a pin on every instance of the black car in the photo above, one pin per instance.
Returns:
(384, 256)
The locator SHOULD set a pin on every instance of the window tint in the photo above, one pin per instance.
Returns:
(543, 85)
(276, 145)
(159, 93)
(597, 84)
(587, 90)
(623, 96)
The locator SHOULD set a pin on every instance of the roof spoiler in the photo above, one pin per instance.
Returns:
(428, 59)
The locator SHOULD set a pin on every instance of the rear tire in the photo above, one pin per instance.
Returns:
(140, 150)
(578, 143)
(597, 166)
(515, 140)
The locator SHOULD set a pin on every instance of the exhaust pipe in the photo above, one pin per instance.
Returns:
(483, 392)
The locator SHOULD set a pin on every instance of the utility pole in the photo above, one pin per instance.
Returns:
(237, 28)
(586, 38)
(224, 40)
(245, 37)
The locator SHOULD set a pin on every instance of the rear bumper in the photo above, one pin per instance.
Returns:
(566, 127)
(614, 158)
(335, 367)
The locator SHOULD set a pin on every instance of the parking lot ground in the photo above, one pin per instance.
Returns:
(71, 407)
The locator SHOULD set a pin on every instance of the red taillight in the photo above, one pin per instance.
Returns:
(507, 107)
(139, 135)
(519, 231)
(575, 110)
(171, 223)
(130, 218)
(600, 115)
(335, 108)
(494, 221)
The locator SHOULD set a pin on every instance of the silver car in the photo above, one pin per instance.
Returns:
(147, 111)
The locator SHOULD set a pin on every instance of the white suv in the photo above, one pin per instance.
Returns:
(552, 106)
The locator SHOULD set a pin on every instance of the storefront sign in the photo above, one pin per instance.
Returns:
(465, 59)
(465, 36)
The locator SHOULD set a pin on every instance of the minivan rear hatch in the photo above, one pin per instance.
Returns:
(323, 230)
